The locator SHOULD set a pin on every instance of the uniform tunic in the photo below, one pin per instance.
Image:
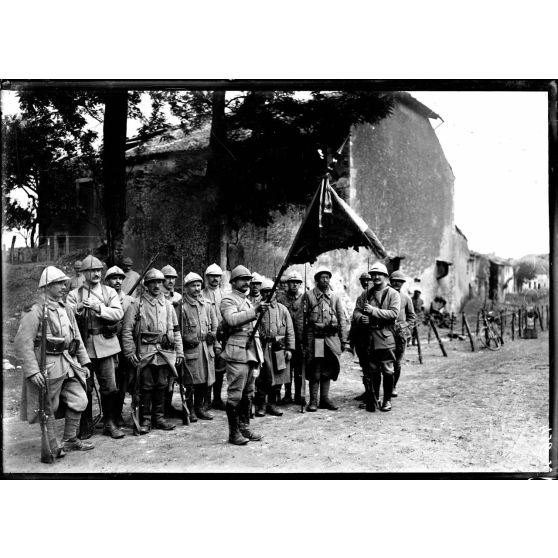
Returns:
(66, 375)
(243, 363)
(97, 345)
(173, 297)
(276, 322)
(325, 308)
(157, 317)
(199, 321)
(214, 297)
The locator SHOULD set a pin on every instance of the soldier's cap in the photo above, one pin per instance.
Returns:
(169, 271)
(267, 285)
(379, 267)
(240, 272)
(365, 276)
(90, 263)
(78, 264)
(397, 276)
(153, 275)
(322, 270)
(51, 275)
(256, 278)
(128, 261)
(114, 271)
(191, 277)
(294, 276)
(213, 269)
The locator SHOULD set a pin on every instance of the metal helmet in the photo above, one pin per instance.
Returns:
(114, 270)
(153, 275)
(91, 262)
(256, 278)
(78, 264)
(267, 285)
(294, 276)
(213, 269)
(379, 267)
(365, 276)
(397, 276)
(50, 275)
(169, 271)
(322, 270)
(191, 277)
(128, 261)
(238, 272)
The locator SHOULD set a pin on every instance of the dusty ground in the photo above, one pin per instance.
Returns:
(471, 412)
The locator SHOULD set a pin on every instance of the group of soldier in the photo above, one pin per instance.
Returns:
(261, 339)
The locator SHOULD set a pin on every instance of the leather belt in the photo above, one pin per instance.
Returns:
(94, 331)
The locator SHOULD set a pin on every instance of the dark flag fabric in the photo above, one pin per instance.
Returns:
(331, 223)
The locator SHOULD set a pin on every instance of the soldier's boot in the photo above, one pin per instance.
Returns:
(287, 398)
(200, 391)
(145, 412)
(259, 402)
(325, 401)
(218, 403)
(244, 420)
(235, 437)
(55, 446)
(158, 411)
(388, 387)
(70, 441)
(110, 429)
(396, 376)
(313, 388)
(190, 403)
(376, 383)
(297, 388)
(118, 406)
(86, 429)
(271, 407)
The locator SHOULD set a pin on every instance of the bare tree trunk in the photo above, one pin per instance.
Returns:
(114, 168)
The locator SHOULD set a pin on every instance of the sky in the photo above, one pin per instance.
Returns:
(497, 146)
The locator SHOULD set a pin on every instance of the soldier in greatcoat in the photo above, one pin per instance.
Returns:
(199, 323)
(213, 292)
(98, 310)
(278, 344)
(321, 321)
(77, 279)
(243, 358)
(378, 308)
(153, 345)
(130, 277)
(291, 298)
(255, 296)
(175, 299)
(114, 278)
(66, 359)
(404, 325)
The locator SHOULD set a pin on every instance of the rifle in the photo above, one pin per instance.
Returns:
(185, 410)
(303, 363)
(136, 394)
(47, 455)
(146, 269)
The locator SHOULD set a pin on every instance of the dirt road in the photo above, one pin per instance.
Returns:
(471, 412)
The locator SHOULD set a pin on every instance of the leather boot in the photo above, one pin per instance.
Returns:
(259, 402)
(314, 387)
(244, 420)
(190, 404)
(158, 411)
(388, 387)
(325, 401)
(170, 411)
(287, 398)
(271, 407)
(86, 429)
(200, 391)
(235, 437)
(110, 429)
(218, 403)
(298, 385)
(145, 412)
(117, 410)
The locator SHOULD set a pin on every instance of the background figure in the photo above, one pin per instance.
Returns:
(358, 336)
(130, 277)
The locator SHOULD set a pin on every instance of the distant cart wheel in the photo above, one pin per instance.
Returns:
(490, 338)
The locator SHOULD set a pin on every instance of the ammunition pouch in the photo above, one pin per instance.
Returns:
(322, 330)
(73, 347)
(53, 346)
(191, 344)
(166, 343)
(278, 343)
(150, 337)
(210, 339)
